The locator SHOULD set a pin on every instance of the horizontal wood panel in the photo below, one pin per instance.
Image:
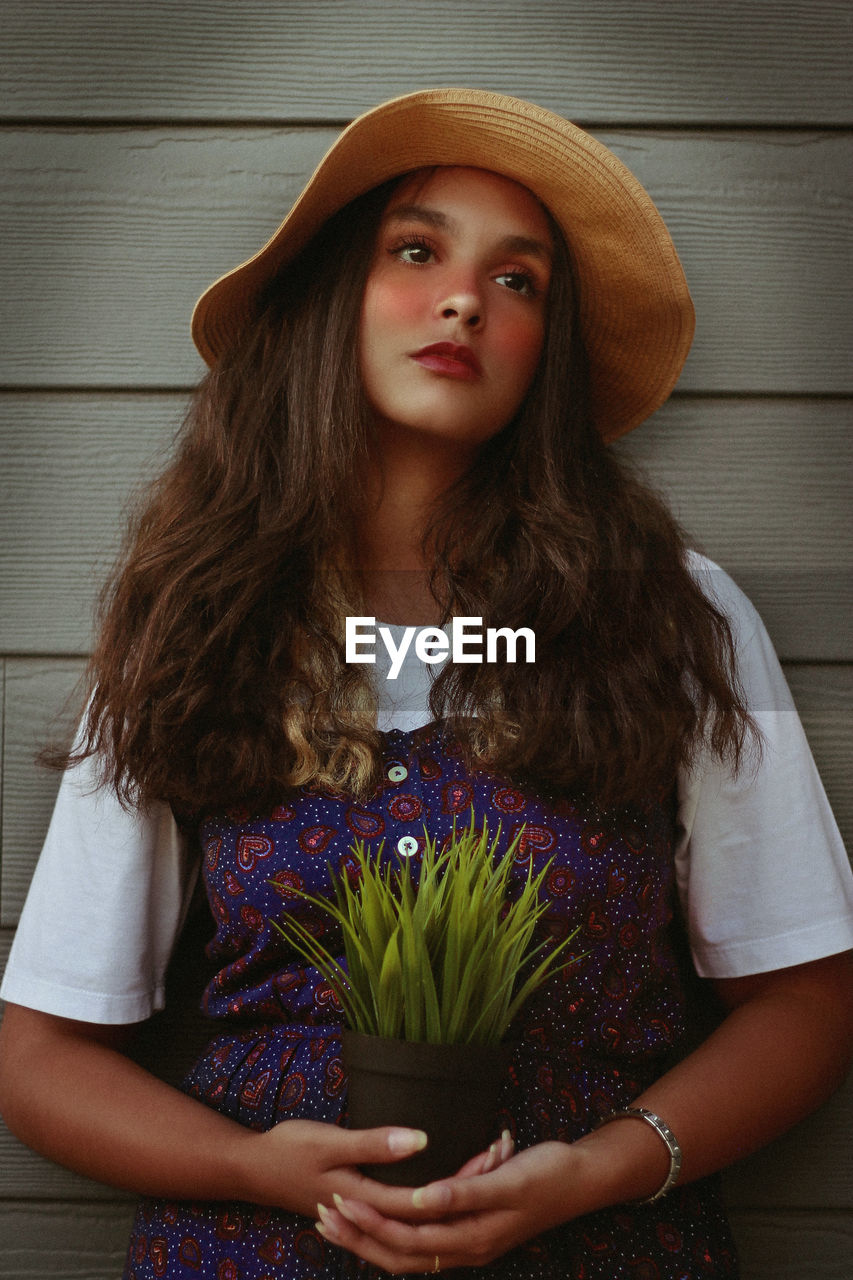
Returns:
(759, 484)
(628, 60)
(824, 699)
(37, 712)
(763, 486)
(23, 1173)
(785, 1246)
(106, 250)
(63, 1241)
(2, 739)
(808, 1168)
(71, 466)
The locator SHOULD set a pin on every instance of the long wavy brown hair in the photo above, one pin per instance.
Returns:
(219, 674)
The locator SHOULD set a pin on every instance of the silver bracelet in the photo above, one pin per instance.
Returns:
(663, 1131)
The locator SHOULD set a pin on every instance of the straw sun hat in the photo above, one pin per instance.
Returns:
(636, 313)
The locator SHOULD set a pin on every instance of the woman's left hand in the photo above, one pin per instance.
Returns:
(463, 1221)
(783, 1048)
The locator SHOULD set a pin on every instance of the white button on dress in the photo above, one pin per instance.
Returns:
(397, 773)
(407, 845)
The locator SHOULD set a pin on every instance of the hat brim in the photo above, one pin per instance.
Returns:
(636, 314)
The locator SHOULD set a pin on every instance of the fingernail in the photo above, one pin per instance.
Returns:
(327, 1230)
(405, 1142)
(432, 1197)
(322, 1212)
(341, 1207)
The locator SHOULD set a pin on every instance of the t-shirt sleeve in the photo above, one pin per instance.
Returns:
(105, 905)
(762, 873)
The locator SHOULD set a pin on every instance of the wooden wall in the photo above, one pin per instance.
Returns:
(148, 147)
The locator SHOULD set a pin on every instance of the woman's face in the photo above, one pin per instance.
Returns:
(453, 314)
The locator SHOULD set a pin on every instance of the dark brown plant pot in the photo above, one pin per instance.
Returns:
(449, 1090)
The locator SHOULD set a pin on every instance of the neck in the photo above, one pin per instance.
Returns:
(409, 472)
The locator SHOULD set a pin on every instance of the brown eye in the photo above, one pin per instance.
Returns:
(518, 282)
(415, 251)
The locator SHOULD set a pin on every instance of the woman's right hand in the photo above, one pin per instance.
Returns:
(302, 1163)
(68, 1091)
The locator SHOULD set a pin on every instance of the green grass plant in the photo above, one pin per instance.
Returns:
(448, 961)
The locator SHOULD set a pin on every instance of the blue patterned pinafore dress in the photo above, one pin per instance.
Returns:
(589, 1042)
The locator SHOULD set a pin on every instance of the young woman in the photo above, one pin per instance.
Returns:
(406, 418)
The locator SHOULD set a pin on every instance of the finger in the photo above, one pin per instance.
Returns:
(486, 1161)
(396, 1246)
(439, 1199)
(403, 1239)
(483, 1162)
(391, 1201)
(453, 1196)
(507, 1146)
(340, 1229)
(385, 1145)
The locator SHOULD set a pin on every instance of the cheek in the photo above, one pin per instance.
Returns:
(389, 302)
(518, 344)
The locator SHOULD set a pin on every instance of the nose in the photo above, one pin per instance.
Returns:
(462, 301)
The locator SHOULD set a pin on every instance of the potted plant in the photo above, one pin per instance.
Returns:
(433, 976)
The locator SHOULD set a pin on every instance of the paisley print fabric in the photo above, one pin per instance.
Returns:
(589, 1042)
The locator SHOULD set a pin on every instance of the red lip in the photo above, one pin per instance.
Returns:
(449, 358)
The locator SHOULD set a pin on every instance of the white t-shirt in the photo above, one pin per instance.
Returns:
(761, 870)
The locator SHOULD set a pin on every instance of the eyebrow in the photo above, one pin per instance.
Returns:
(435, 218)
